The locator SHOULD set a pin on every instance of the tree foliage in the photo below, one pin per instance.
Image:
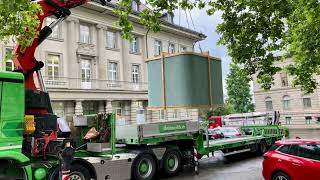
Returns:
(238, 88)
(254, 31)
(222, 111)
(18, 19)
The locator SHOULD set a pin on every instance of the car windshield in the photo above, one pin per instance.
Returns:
(212, 131)
(229, 130)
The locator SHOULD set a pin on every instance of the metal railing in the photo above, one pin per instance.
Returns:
(95, 84)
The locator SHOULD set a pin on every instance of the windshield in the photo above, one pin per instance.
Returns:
(229, 130)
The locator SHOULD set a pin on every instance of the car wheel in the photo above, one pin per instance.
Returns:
(280, 176)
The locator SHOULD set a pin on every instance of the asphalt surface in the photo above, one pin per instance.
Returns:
(241, 167)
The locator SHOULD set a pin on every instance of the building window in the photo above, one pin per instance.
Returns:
(111, 40)
(307, 102)
(288, 120)
(9, 62)
(157, 47)
(269, 106)
(117, 107)
(171, 48)
(56, 30)
(90, 107)
(84, 34)
(112, 71)
(135, 5)
(53, 66)
(284, 79)
(308, 119)
(134, 46)
(286, 102)
(135, 73)
(183, 48)
(86, 70)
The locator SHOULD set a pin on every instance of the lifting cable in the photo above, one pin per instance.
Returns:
(194, 28)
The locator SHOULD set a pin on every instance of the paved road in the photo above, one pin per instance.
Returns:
(245, 167)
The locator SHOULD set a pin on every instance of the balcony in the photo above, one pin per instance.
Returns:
(94, 84)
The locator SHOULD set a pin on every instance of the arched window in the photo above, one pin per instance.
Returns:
(286, 102)
(269, 106)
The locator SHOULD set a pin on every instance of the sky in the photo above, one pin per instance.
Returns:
(206, 25)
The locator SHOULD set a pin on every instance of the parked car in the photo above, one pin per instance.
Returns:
(215, 133)
(230, 132)
(296, 159)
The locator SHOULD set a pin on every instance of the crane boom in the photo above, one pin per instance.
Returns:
(42, 139)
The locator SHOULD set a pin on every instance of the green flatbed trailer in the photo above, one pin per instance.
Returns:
(132, 152)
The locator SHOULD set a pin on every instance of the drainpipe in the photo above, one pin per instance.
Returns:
(147, 49)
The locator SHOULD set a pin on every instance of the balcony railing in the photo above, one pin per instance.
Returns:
(95, 84)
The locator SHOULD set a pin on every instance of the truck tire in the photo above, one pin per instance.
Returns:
(171, 163)
(263, 147)
(144, 167)
(79, 172)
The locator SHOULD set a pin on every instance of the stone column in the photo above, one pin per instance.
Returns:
(134, 108)
(108, 106)
(127, 112)
(72, 45)
(123, 63)
(78, 108)
(100, 68)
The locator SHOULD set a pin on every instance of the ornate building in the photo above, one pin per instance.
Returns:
(89, 68)
(296, 107)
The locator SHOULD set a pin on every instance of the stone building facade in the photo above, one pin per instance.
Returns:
(89, 68)
(296, 108)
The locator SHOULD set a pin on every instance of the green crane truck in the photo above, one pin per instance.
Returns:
(120, 152)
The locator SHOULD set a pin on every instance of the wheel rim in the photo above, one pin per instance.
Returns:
(172, 162)
(76, 176)
(145, 168)
(280, 178)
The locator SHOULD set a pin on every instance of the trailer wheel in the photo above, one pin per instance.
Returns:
(263, 147)
(144, 167)
(171, 163)
(79, 172)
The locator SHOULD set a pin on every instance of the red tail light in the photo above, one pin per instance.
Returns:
(238, 134)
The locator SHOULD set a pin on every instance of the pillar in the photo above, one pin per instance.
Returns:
(78, 108)
(134, 108)
(108, 107)
(127, 112)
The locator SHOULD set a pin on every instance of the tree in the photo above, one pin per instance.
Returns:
(254, 31)
(238, 88)
(225, 110)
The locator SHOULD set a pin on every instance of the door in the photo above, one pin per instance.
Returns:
(309, 155)
(287, 161)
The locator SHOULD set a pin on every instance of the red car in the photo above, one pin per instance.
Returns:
(296, 159)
